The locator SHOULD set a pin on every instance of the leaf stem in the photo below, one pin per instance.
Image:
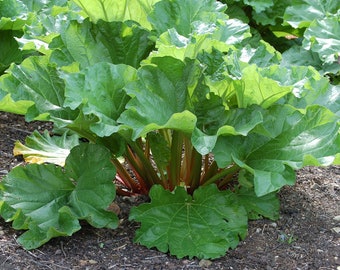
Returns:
(230, 170)
(126, 177)
(176, 158)
(146, 167)
(195, 170)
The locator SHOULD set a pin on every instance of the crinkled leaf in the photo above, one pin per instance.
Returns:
(49, 17)
(221, 35)
(254, 88)
(297, 56)
(204, 225)
(234, 122)
(8, 105)
(87, 43)
(127, 43)
(90, 166)
(77, 43)
(13, 14)
(309, 88)
(289, 140)
(99, 90)
(323, 37)
(9, 52)
(269, 12)
(302, 12)
(266, 206)
(161, 95)
(259, 5)
(35, 79)
(263, 55)
(42, 148)
(46, 198)
(123, 10)
(182, 14)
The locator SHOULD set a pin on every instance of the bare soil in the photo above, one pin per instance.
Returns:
(305, 237)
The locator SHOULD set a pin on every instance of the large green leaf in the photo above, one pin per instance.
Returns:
(123, 10)
(323, 37)
(49, 17)
(266, 206)
(259, 5)
(289, 140)
(8, 105)
(48, 200)
(254, 88)
(302, 12)
(234, 122)
(222, 35)
(13, 14)
(42, 148)
(87, 43)
(162, 95)
(204, 225)
(99, 90)
(183, 14)
(37, 80)
(9, 52)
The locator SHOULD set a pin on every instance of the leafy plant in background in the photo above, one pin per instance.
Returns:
(173, 99)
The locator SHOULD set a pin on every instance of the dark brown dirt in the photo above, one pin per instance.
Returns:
(305, 237)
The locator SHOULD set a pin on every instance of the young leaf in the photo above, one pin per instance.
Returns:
(42, 148)
(46, 199)
(204, 225)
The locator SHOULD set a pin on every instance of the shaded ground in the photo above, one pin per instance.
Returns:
(305, 236)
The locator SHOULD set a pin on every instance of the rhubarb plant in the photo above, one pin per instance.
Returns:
(171, 99)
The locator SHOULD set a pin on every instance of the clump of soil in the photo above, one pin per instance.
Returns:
(305, 237)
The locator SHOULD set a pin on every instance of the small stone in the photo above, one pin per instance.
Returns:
(82, 262)
(258, 230)
(273, 224)
(336, 229)
(185, 261)
(92, 262)
(319, 250)
(205, 263)
(336, 218)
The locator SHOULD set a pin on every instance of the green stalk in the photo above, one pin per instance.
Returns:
(149, 172)
(186, 164)
(195, 170)
(176, 158)
(230, 170)
(209, 171)
(126, 177)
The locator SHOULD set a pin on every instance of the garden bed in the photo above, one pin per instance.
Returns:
(305, 237)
